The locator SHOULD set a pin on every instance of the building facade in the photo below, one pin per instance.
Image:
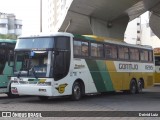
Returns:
(57, 10)
(138, 31)
(10, 25)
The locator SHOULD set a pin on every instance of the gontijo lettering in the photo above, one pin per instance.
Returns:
(128, 66)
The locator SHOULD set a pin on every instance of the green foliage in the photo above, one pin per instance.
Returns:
(8, 36)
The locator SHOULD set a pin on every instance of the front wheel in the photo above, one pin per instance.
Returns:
(9, 94)
(76, 91)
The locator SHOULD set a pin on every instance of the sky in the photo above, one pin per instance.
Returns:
(29, 12)
(26, 10)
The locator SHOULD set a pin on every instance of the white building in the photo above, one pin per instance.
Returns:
(57, 10)
(9, 24)
(147, 37)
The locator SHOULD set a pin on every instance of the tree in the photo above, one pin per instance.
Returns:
(8, 36)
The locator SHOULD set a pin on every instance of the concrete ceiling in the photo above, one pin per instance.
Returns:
(80, 13)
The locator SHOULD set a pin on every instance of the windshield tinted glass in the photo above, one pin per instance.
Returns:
(34, 64)
(35, 43)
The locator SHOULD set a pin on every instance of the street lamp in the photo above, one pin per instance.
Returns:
(40, 15)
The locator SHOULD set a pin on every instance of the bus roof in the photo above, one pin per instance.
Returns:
(46, 35)
(87, 37)
(8, 41)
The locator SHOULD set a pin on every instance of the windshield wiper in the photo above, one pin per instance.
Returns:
(19, 73)
(33, 71)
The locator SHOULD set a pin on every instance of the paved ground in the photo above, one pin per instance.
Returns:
(149, 100)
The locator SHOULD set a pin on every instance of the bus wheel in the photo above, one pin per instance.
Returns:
(76, 91)
(43, 98)
(133, 87)
(139, 87)
(10, 95)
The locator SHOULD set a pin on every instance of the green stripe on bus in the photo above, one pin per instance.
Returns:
(105, 75)
(100, 75)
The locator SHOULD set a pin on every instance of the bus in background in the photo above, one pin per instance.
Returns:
(63, 64)
(157, 65)
(6, 48)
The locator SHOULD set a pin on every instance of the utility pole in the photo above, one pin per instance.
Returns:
(40, 15)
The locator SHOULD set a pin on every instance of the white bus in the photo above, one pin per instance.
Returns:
(63, 64)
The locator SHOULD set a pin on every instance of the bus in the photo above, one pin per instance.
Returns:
(6, 48)
(64, 64)
(157, 65)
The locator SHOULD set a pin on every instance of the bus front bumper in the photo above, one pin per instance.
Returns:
(34, 90)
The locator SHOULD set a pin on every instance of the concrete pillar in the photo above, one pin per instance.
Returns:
(113, 29)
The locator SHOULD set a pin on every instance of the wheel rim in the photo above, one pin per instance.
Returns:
(77, 92)
(140, 87)
(133, 88)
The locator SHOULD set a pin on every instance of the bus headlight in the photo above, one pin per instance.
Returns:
(44, 83)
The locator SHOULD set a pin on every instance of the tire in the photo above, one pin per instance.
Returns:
(133, 87)
(76, 92)
(139, 87)
(43, 98)
(9, 94)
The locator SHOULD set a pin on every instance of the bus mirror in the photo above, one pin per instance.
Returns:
(31, 53)
(10, 60)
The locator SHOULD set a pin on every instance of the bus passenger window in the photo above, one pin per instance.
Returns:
(144, 55)
(80, 48)
(77, 48)
(123, 53)
(96, 50)
(93, 50)
(111, 51)
(150, 56)
(84, 48)
(134, 54)
(100, 50)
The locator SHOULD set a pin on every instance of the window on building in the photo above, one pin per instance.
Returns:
(3, 25)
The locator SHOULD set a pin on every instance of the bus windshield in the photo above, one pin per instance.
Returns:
(6, 47)
(34, 63)
(35, 43)
(157, 60)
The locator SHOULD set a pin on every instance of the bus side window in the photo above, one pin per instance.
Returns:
(97, 50)
(81, 48)
(123, 53)
(110, 51)
(84, 48)
(144, 55)
(150, 56)
(77, 48)
(134, 54)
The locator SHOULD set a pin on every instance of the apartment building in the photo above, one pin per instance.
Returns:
(139, 29)
(57, 10)
(9, 24)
